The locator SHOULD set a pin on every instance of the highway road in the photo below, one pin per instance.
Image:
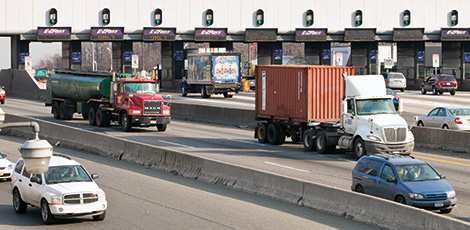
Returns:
(237, 146)
(140, 198)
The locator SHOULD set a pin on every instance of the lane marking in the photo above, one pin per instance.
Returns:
(247, 142)
(287, 167)
(444, 161)
(172, 143)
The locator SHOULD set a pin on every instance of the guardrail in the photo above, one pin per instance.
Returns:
(359, 207)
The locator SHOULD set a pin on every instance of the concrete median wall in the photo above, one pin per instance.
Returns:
(445, 139)
(20, 83)
(359, 207)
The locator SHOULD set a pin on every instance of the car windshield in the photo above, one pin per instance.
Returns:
(375, 106)
(447, 78)
(140, 87)
(416, 172)
(460, 112)
(64, 174)
(396, 76)
(390, 92)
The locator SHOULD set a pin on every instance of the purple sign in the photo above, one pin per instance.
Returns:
(106, 33)
(310, 35)
(54, 33)
(455, 34)
(159, 34)
(205, 34)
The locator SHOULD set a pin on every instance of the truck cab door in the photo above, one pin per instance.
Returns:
(350, 118)
(120, 95)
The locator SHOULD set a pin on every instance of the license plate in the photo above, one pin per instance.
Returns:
(397, 81)
(153, 122)
(447, 83)
(438, 204)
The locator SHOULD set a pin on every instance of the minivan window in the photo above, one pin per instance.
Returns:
(416, 172)
(447, 78)
(387, 173)
(374, 167)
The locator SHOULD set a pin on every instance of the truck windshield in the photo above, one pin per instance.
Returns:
(375, 106)
(140, 87)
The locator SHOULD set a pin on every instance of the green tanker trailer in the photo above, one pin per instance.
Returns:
(103, 98)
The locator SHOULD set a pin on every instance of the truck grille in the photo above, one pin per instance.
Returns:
(80, 198)
(152, 107)
(395, 134)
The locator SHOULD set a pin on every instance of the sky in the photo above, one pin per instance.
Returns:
(37, 50)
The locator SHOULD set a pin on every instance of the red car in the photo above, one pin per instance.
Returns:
(440, 83)
(2, 95)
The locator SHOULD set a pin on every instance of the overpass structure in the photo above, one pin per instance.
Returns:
(430, 35)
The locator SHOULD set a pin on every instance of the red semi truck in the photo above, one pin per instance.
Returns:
(102, 98)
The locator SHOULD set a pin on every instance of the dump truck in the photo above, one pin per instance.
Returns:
(103, 98)
(327, 107)
(212, 73)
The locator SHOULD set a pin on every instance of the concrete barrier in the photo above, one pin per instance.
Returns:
(359, 207)
(436, 138)
(21, 84)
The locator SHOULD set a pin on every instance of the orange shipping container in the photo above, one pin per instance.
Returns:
(303, 93)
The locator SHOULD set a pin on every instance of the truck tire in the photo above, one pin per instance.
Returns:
(126, 122)
(204, 92)
(226, 95)
(295, 138)
(282, 135)
(321, 143)
(102, 118)
(262, 132)
(273, 134)
(184, 93)
(308, 140)
(85, 116)
(63, 112)
(161, 127)
(359, 148)
(55, 110)
(92, 116)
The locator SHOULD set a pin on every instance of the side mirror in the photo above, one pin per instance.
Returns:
(95, 176)
(443, 176)
(391, 180)
(36, 180)
(4, 155)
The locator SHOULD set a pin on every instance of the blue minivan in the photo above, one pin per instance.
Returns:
(403, 179)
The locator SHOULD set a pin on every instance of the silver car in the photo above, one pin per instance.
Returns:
(395, 80)
(451, 117)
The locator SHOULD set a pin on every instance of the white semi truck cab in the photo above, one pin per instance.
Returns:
(369, 122)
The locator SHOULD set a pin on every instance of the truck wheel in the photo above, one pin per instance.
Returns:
(295, 138)
(321, 143)
(227, 96)
(102, 118)
(262, 132)
(204, 93)
(92, 116)
(308, 141)
(273, 134)
(359, 148)
(161, 127)
(63, 113)
(183, 91)
(282, 135)
(55, 110)
(126, 122)
(85, 116)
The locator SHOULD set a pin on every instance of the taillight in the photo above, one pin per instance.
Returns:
(388, 80)
(398, 98)
(458, 121)
(440, 83)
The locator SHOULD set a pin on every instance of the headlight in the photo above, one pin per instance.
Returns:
(11, 166)
(166, 112)
(451, 194)
(373, 138)
(101, 195)
(56, 199)
(416, 196)
(135, 111)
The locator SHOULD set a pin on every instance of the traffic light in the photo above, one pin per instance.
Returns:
(406, 17)
(358, 18)
(309, 17)
(158, 17)
(53, 16)
(259, 17)
(106, 16)
(454, 17)
(209, 17)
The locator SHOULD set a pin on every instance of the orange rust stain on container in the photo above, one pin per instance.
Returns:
(302, 93)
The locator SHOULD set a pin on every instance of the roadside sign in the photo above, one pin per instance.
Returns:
(135, 61)
(388, 63)
(41, 73)
(435, 60)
